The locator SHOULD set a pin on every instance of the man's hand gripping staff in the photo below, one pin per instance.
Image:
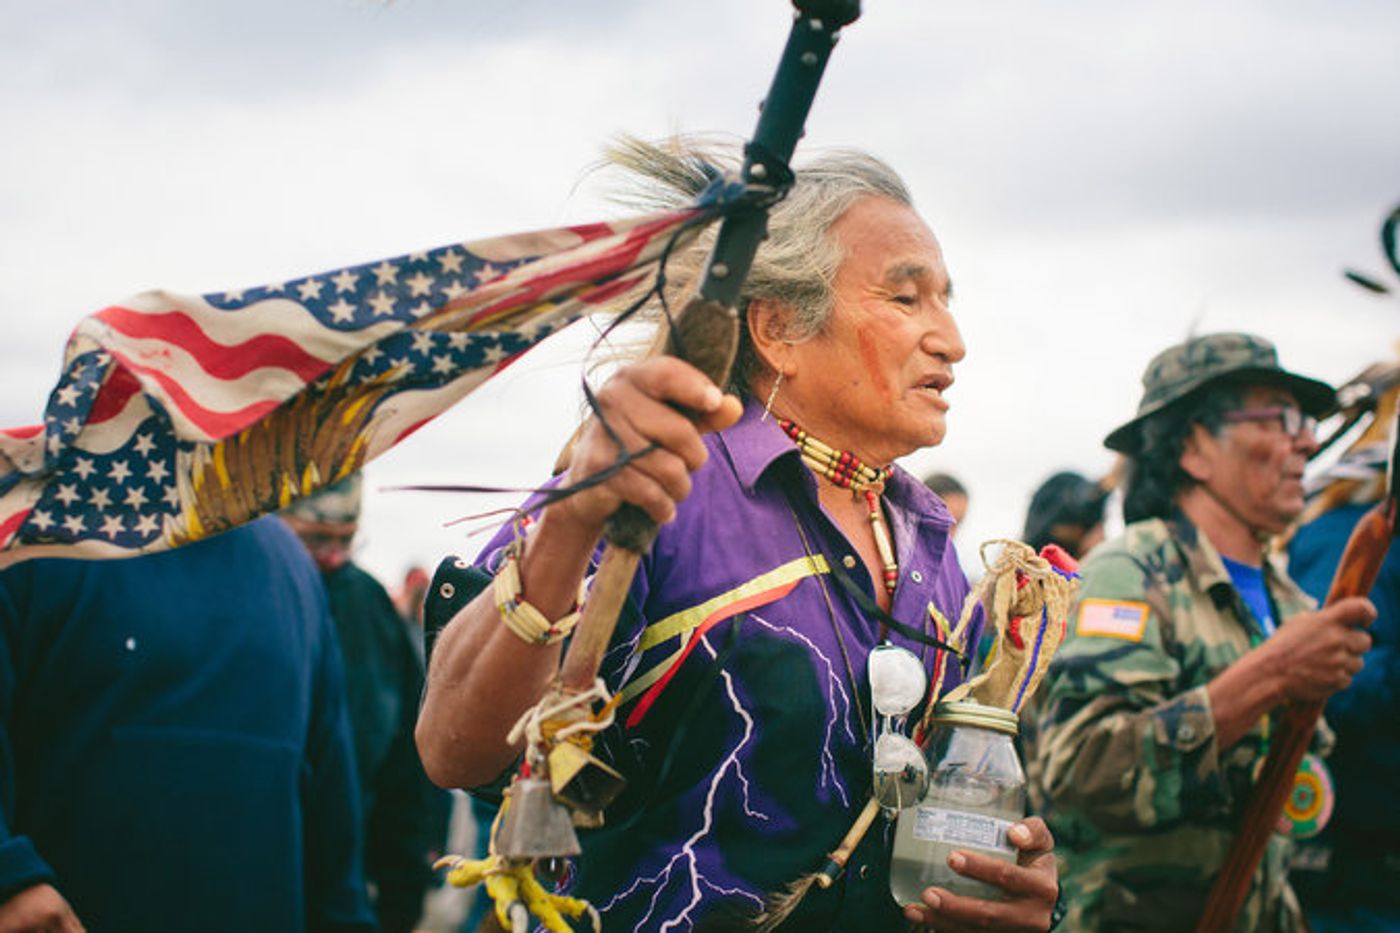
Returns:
(560, 783)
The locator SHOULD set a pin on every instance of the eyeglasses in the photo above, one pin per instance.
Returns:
(897, 684)
(1293, 421)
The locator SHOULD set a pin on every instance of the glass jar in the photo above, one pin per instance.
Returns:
(976, 791)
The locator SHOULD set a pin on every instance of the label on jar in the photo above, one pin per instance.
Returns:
(959, 828)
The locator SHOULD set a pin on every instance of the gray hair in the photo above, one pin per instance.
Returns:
(796, 265)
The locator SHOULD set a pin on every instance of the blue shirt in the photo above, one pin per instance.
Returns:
(1249, 581)
(174, 753)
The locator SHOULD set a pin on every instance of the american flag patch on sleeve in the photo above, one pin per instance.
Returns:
(1112, 619)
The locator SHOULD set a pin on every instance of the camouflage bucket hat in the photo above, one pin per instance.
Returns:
(1186, 368)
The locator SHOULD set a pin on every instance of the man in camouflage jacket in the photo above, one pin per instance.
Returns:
(1153, 718)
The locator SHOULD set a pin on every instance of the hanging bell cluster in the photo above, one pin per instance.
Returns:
(561, 785)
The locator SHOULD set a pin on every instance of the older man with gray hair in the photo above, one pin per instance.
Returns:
(1187, 633)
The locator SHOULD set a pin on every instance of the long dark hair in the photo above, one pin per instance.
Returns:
(1155, 477)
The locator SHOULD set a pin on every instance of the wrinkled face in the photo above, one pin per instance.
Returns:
(872, 381)
(1256, 467)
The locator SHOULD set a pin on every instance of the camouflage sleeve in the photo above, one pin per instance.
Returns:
(1122, 742)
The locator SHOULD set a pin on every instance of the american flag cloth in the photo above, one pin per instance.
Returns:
(176, 417)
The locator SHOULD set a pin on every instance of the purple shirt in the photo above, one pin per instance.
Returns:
(743, 775)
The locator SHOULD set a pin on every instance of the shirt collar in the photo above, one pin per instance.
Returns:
(1203, 562)
(755, 443)
(1206, 565)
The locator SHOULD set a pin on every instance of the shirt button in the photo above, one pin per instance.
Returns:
(848, 561)
(1186, 733)
(916, 577)
(863, 872)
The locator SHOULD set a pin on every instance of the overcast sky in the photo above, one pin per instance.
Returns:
(1105, 177)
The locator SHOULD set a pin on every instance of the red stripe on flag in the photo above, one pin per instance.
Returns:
(28, 431)
(590, 232)
(215, 424)
(609, 290)
(616, 260)
(223, 361)
(111, 399)
(719, 615)
(10, 526)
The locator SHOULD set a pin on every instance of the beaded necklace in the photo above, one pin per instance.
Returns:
(846, 470)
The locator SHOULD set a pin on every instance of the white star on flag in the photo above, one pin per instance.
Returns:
(386, 273)
(382, 303)
(342, 311)
(345, 280)
(451, 261)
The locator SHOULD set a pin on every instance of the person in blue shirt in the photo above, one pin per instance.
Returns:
(174, 748)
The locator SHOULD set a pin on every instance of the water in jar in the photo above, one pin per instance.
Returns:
(976, 792)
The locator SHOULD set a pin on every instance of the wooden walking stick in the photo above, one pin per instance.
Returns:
(1356, 574)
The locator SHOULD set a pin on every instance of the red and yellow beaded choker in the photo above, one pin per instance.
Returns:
(846, 470)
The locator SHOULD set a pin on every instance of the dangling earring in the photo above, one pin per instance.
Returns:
(768, 406)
